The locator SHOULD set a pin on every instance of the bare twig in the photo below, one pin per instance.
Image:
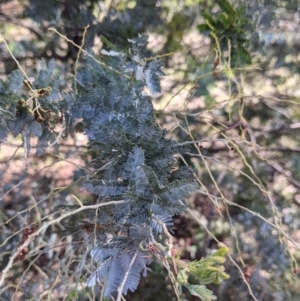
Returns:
(45, 226)
(78, 56)
(88, 54)
(19, 66)
(120, 288)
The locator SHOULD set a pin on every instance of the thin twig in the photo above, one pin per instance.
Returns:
(45, 226)
(18, 64)
(120, 288)
(42, 200)
(231, 259)
(78, 55)
(86, 53)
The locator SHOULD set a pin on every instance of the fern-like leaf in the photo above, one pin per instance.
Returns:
(145, 178)
(104, 188)
(152, 74)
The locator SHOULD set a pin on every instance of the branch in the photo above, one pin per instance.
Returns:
(120, 288)
(278, 228)
(16, 61)
(87, 53)
(225, 149)
(45, 226)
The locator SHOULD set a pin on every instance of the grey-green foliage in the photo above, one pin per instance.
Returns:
(133, 162)
(31, 109)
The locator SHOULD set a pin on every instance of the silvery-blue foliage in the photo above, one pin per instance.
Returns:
(133, 160)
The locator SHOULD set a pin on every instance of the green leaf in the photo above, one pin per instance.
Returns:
(182, 277)
(226, 7)
(72, 295)
(228, 26)
(209, 19)
(244, 55)
(210, 269)
(222, 251)
(108, 43)
(226, 22)
(203, 28)
(201, 291)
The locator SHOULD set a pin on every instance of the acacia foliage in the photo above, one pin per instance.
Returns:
(134, 161)
(270, 128)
